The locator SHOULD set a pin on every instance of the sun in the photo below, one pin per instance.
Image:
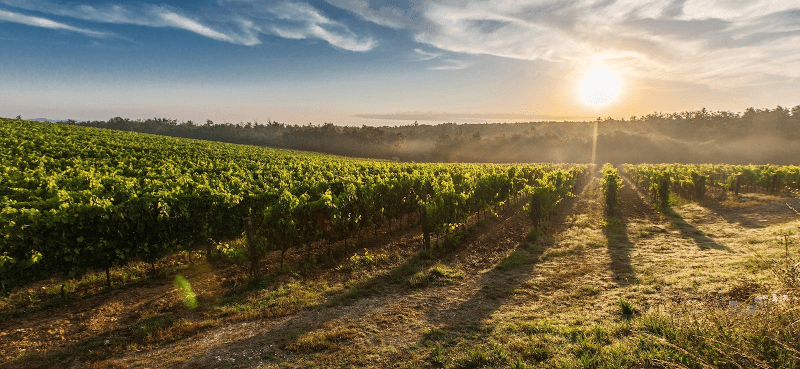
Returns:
(600, 87)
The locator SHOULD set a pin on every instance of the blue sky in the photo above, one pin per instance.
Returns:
(326, 61)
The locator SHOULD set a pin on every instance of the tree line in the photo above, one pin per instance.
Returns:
(753, 136)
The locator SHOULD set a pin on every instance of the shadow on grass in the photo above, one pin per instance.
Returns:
(751, 216)
(619, 250)
(689, 231)
(638, 208)
(500, 284)
(633, 208)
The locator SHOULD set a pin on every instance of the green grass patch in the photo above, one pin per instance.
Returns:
(516, 258)
(439, 274)
(285, 299)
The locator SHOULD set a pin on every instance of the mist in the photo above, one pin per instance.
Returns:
(757, 136)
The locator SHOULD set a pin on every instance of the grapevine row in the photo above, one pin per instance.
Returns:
(693, 181)
(75, 198)
(611, 182)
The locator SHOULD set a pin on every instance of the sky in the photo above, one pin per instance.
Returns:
(354, 62)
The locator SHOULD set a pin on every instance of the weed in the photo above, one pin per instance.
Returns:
(281, 301)
(269, 356)
(626, 308)
(766, 338)
(788, 276)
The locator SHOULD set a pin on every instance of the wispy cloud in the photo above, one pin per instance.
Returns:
(304, 21)
(422, 55)
(182, 22)
(689, 40)
(299, 12)
(240, 22)
(452, 64)
(47, 23)
(387, 15)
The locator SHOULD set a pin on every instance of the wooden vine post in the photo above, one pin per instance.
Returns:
(426, 232)
(699, 186)
(775, 182)
(251, 247)
(738, 187)
(786, 244)
(724, 184)
(663, 192)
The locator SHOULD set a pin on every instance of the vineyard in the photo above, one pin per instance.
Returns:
(321, 261)
(75, 198)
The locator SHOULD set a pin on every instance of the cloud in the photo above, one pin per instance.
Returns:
(683, 40)
(47, 23)
(179, 21)
(388, 14)
(674, 9)
(452, 64)
(444, 64)
(684, 29)
(240, 22)
(299, 12)
(304, 21)
(422, 55)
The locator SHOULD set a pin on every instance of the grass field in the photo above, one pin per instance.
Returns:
(641, 288)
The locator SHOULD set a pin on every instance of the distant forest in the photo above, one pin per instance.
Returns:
(756, 136)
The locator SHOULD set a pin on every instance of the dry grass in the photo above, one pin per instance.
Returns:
(327, 338)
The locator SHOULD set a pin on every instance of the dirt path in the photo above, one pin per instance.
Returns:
(98, 322)
(57, 328)
(394, 319)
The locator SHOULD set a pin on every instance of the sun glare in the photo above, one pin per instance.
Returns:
(599, 87)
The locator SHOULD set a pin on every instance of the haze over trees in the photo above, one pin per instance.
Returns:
(756, 136)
